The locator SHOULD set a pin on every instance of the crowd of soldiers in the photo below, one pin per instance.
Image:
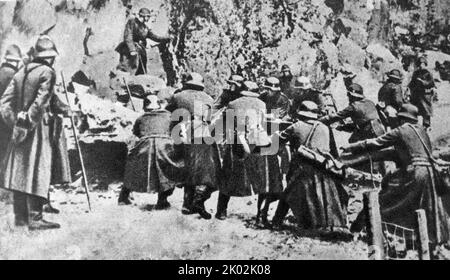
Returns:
(236, 162)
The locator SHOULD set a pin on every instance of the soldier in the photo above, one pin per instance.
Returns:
(202, 163)
(390, 96)
(133, 50)
(305, 92)
(316, 200)
(244, 171)
(287, 81)
(235, 84)
(8, 69)
(277, 103)
(10, 66)
(153, 165)
(422, 90)
(26, 106)
(363, 113)
(417, 188)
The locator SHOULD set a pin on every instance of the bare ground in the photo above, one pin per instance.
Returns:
(129, 232)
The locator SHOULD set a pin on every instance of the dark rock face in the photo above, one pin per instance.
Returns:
(336, 5)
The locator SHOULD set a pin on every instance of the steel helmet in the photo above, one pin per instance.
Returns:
(308, 109)
(13, 52)
(45, 48)
(355, 90)
(250, 89)
(195, 79)
(409, 111)
(237, 80)
(144, 12)
(302, 83)
(273, 84)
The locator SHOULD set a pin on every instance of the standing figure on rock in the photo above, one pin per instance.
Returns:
(390, 97)
(363, 112)
(277, 103)
(316, 199)
(26, 108)
(10, 66)
(153, 164)
(417, 188)
(244, 171)
(202, 163)
(228, 95)
(133, 49)
(422, 91)
(287, 81)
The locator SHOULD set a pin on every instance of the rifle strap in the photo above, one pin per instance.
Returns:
(311, 134)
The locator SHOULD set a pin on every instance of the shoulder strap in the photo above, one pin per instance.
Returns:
(26, 71)
(430, 155)
(310, 135)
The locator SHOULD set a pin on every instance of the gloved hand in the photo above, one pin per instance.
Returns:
(353, 147)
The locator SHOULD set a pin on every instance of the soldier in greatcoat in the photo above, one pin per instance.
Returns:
(417, 188)
(201, 156)
(245, 172)
(133, 49)
(422, 91)
(26, 107)
(362, 111)
(316, 199)
(287, 81)
(10, 66)
(153, 164)
(390, 96)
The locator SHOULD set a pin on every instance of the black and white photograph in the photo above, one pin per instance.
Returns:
(245, 131)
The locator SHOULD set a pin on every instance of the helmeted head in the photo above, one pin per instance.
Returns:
(235, 82)
(145, 15)
(422, 62)
(250, 89)
(272, 84)
(303, 83)
(286, 71)
(45, 48)
(13, 53)
(395, 75)
(309, 110)
(196, 80)
(355, 91)
(408, 113)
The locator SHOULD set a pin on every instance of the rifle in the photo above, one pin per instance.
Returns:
(77, 143)
(129, 94)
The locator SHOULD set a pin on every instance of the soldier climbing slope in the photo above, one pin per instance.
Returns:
(422, 91)
(133, 49)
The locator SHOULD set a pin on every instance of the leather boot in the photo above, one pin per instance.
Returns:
(280, 214)
(48, 208)
(188, 200)
(222, 205)
(124, 196)
(162, 203)
(20, 209)
(35, 218)
(200, 196)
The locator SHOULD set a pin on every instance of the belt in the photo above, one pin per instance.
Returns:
(420, 161)
(157, 135)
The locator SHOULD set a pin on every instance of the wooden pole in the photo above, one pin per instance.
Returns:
(373, 224)
(424, 242)
(77, 144)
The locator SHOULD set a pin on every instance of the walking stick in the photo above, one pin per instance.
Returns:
(129, 94)
(77, 143)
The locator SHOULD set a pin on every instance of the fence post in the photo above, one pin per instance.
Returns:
(424, 242)
(373, 225)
